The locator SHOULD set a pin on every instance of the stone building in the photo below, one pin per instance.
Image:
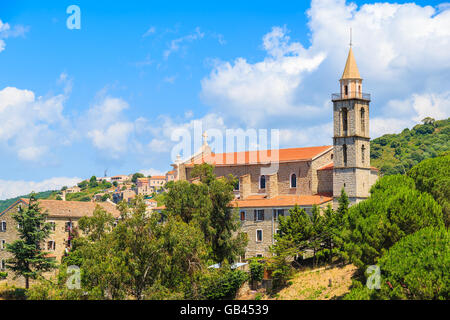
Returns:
(63, 215)
(302, 176)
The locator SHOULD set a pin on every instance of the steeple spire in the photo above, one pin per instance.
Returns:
(351, 69)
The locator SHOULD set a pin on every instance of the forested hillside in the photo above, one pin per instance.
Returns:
(397, 153)
(4, 204)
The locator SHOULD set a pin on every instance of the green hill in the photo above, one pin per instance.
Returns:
(4, 204)
(397, 153)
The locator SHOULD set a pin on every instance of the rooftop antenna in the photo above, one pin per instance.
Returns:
(106, 171)
(350, 37)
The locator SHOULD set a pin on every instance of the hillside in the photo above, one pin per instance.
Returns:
(4, 204)
(397, 153)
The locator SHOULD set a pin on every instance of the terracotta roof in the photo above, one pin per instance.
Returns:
(73, 209)
(158, 178)
(330, 166)
(170, 172)
(260, 201)
(351, 69)
(261, 156)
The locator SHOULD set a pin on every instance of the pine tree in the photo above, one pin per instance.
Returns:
(29, 260)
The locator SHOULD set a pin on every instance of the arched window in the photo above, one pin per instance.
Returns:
(363, 120)
(346, 90)
(344, 119)
(344, 152)
(363, 154)
(262, 182)
(293, 180)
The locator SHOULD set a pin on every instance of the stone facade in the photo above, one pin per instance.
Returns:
(61, 214)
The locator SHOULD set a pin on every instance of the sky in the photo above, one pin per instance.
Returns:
(111, 94)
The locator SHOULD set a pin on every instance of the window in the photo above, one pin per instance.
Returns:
(344, 151)
(68, 226)
(278, 213)
(344, 119)
(262, 182)
(2, 244)
(236, 185)
(51, 245)
(259, 235)
(259, 255)
(52, 225)
(363, 154)
(242, 215)
(363, 120)
(3, 226)
(346, 90)
(2, 265)
(293, 180)
(259, 215)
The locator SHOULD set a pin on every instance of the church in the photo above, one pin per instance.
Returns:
(304, 176)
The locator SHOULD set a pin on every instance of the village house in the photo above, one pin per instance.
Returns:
(63, 215)
(120, 179)
(303, 176)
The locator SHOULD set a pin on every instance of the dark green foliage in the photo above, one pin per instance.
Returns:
(223, 284)
(391, 213)
(28, 259)
(433, 176)
(93, 182)
(397, 153)
(415, 268)
(137, 176)
(256, 270)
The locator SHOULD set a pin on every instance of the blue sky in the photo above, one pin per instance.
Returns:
(108, 96)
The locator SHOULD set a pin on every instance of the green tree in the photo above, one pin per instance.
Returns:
(93, 182)
(137, 176)
(29, 260)
(415, 268)
(374, 225)
(433, 176)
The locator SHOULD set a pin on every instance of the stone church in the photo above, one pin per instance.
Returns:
(305, 176)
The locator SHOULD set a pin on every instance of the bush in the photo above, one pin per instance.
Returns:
(223, 284)
(256, 271)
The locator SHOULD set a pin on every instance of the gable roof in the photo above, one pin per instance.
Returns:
(69, 209)
(261, 156)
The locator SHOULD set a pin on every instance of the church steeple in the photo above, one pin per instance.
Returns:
(351, 140)
(351, 68)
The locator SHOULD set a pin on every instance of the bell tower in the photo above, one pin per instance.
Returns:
(351, 139)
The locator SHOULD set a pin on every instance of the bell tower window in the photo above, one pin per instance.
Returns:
(344, 120)
(363, 154)
(344, 153)
(346, 90)
(363, 121)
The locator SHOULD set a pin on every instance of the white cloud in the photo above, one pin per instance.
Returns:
(149, 32)
(7, 32)
(177, 44)
(11, 188)
(29, 124)
(152, 172)
(401, 51)
(263, 89)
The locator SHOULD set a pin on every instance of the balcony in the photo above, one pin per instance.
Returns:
(350, 95)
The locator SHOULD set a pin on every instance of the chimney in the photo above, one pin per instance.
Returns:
(245, 186)
(272, 185)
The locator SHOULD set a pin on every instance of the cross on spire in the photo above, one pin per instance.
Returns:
(205, 138)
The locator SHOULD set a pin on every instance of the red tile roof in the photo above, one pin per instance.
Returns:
(158, 178)
(260, 201)
(330, 166)
(262, 156)
(73, 209)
